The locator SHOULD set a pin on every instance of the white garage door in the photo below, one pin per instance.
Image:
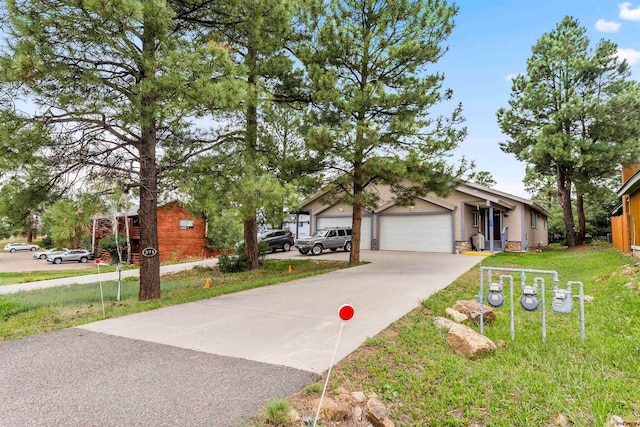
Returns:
(420, 233)
(365, 237)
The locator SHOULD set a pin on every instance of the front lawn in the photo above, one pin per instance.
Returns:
(11, 278)
(39, 311)
(523, 383)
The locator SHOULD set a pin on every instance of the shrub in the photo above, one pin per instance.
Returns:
(108, 243)
(237, 262)
(47, 242)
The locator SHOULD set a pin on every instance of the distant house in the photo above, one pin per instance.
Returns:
(625, 224)
(440, 224)
(181, 235)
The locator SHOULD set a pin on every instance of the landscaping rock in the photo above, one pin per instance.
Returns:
(356, 413)
(472, 309)
(332, 410)
(562, 421)
(587, 298)
(455, 315)
(467, 342)
(293, 415)
(376, 412)
(358, 396)
(629, 285)
(443, 323)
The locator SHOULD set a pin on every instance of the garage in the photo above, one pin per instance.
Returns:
(345, 221)
(418, 233)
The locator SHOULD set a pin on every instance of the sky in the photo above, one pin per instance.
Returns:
(491, 43)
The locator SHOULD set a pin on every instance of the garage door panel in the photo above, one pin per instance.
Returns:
(420, 233)
(365, 237)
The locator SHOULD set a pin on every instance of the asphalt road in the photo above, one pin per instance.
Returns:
(81, 378)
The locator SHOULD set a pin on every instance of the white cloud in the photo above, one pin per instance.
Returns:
(629, 14)
(607, 26)
(631, 55)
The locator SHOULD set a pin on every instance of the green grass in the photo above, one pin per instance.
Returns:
(34, 312)
(11, 278)
(524, 383)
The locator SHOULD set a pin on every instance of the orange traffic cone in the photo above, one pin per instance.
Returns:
(207, 284)
(290, 269)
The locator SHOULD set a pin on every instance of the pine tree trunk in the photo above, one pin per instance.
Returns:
(564, 198)
(30, 227)
(251, 242)
(356, 222)
(149, 266)
(582, 222)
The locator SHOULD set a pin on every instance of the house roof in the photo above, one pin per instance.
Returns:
(522, 200)
(631, 186)
(429, 199)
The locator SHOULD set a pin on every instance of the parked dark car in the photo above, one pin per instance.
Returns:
(277, 239)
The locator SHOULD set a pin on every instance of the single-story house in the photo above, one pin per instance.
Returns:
(181, 235)
(440, 224)
(625, 225)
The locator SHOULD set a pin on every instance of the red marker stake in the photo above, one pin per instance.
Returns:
(100, 281)
(345, 313)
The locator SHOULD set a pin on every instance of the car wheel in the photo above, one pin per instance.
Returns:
(43, 256)
(83, 259)
(316, 250)
(286, 247)
(32, 249)
(347, 247)
(57, 261)
(12, 250)
(303, 251)
(333, 249)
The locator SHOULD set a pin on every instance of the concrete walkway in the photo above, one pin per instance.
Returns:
(214, 362)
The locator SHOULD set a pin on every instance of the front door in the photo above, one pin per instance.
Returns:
(497, 227)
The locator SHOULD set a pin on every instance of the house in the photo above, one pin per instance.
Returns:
(440, 224)
(181, 235)
(625, 226)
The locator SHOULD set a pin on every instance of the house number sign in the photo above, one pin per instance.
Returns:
(149, 252)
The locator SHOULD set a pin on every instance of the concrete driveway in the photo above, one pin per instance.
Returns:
(214, 362)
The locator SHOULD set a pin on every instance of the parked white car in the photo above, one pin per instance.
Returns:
(12, 247)
(43, 254)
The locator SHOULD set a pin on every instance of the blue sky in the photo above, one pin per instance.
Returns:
(492, 41)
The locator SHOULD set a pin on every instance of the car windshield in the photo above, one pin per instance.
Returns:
(321, 233)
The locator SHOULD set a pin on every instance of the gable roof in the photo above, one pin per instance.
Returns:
(494, 192)
(631, 186)
(428, 199)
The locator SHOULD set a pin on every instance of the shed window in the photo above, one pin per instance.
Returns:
(186, 224)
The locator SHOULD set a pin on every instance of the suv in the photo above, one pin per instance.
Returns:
(326, 238)
(277, 239)
(79, 255)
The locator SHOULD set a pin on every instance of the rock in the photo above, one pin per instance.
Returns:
(629, 285)
(614, 421)
(562, 420)
(375, 411)
(293, 415)
(442, 322)
(357, 412)
(358, 396)
(331, 410)
(472, 309)
(587, 298)
(455, 315)
(467, 342)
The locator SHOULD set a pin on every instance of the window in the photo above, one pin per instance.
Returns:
(534, 220)
(333, 233)
(476, 217)
(341, 233)
(186, 224)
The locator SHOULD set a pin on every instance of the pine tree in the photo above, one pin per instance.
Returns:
(115, 82)
(573, 116)
(370, 66)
